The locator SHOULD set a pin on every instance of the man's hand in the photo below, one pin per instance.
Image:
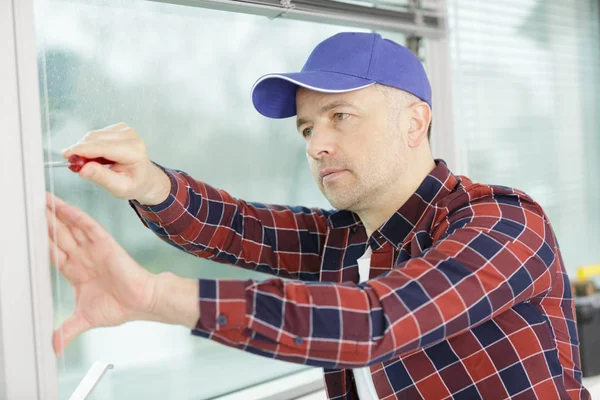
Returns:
(133, 176)
(110, 287)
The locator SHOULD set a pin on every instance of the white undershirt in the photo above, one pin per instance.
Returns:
(362, 376)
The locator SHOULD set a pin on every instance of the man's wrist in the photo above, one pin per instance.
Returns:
(159, 190)
(176, 300)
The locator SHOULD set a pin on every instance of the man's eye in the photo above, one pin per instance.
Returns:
(340, 116)
(306, 132)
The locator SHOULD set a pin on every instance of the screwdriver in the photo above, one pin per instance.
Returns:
(75, 162)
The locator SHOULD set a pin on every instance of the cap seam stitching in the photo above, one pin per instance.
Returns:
(371, 58)
(333, 72)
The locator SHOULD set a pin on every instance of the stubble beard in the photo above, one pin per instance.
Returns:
(351, 198)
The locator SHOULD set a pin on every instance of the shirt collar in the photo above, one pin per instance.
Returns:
(438, 184)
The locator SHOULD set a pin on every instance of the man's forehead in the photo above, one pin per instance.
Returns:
(310, 99)
(302, 92)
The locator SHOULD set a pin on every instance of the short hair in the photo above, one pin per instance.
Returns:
(401, 99)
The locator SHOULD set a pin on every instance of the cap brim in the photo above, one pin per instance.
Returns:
(274, 95)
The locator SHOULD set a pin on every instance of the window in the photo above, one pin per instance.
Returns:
(181, 76)
(163, 68)
(526, 84)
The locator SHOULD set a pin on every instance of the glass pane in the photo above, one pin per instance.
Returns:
(181, 76)
(526, 79)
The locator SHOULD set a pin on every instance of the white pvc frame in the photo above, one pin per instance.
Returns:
(27, 363)
(440, 75)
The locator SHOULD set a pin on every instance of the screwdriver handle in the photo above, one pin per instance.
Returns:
(77, 162)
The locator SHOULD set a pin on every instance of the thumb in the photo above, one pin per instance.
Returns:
(112, 181)
(72, 327)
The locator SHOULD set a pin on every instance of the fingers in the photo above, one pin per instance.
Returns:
(73, 217)
(118, 142)
(59, 233)
(121, 144)
(116, 183)
(58, 258)
(75, 232)
(72, 327)
(122, 151)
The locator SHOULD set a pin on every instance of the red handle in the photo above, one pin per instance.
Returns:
(77, 162)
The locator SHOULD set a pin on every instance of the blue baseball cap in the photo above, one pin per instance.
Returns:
(342, 63)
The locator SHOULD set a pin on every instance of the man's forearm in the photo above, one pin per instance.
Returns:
(176, 300)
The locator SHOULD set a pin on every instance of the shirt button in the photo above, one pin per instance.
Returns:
(299, 340)
(222, 319)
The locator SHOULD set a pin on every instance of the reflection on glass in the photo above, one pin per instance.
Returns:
(526, 82)
(181, 76)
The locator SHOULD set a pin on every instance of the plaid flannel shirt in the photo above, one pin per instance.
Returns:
(467, 294)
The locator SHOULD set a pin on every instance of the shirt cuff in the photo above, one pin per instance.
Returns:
(223, 304)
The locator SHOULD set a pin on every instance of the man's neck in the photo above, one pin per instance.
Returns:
(377, 215)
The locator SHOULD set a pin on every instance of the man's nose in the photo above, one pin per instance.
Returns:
(321, 143)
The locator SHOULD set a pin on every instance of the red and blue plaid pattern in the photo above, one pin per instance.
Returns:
(468, 296)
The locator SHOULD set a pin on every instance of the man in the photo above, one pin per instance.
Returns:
(423, 284)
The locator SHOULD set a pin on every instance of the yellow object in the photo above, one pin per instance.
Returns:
(583, 285)
(587, 271)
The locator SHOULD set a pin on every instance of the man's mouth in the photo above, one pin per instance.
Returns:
(330, 173)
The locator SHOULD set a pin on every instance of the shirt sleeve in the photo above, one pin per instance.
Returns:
(208, 222)
(482, 262)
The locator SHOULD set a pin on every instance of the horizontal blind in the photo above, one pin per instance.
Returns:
(526, 90)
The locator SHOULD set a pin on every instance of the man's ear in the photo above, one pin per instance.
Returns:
(420, 117)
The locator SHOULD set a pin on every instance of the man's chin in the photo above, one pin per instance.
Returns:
(340, 203)
(340, 198)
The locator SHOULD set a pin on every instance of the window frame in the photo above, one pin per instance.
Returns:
(27, 361)
(410, 20)
(28, 366)
(443, 138)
